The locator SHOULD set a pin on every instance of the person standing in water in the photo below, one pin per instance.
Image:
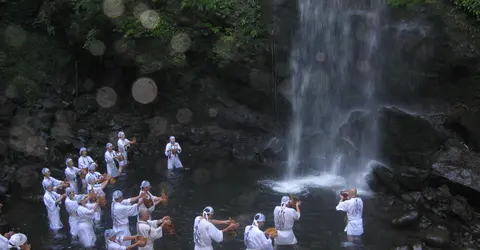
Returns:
(353, 206)
(255, 238)
(172, 151)
(285, 218)
(204, 230)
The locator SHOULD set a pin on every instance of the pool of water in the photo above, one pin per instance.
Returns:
(232, 191)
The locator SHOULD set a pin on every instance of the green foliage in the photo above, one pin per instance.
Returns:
(408, 3)
(470, 6)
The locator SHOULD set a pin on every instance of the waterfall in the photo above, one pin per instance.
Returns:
(336, 63)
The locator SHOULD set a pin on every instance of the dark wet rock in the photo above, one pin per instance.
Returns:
(85, 104)
(437, 237)
(459, 206)
(386, 178)
(417, 246)
(3, 148)
(52, 104)
(66, 116)
(408, 219)
(242, 117)
(7, 110)
(46, 120)
(27, 177)
(406, 247)
(412, 179)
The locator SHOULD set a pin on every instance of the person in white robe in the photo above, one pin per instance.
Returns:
(123, 144)
(114, 242)
(71, 173)
(284, 218)
(97, 189)
(92, 172)
(150, 229)
(256, 239)
(110, 158)
(52, 202)
(47, 179)
(204, 230)
(145, 187)
(173, 158)
(121, 209)
(84, 162)
(71, 206)
(353, 206)
(15, 241)
(86, 234)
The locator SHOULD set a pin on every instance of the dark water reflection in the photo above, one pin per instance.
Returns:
(233, 192)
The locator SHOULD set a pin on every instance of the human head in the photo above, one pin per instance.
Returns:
(352, 193)
(48, 186)
(81, 199)
(91, 180)
(69, 162)
(46, 172)
(208, 213)
(117, 196)
(83, 152)
(121, 135)
(109, 146)
(145, 186)
(285, 200)
(172, 139)
(110, 234)
(17, 241)
(70, 192)
(259, 220)
(92, 167)
(143, 214)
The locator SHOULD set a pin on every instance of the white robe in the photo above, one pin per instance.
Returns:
(97, 214)
(150, 230)
(173, 160)
(53, 209)
(203, 234)
(86, 235)
(122, 149)
(354, 209)
(3, 242)
(113, 245)
(97, 189)
(97, 175)
(112, 169)
(120, 213)
(84, 163)
(71, 206)
(255, 239)
(152, 208)
(285, 218)
(51, 180)
(71, 174)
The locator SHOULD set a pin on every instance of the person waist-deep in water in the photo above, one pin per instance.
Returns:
(256, 239)
(284, 218)
(205, 231)
(172, 152)
(353, 206)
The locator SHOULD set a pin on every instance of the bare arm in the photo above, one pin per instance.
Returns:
(220, 222)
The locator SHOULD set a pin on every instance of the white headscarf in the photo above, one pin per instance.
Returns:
(67, 161)
(17, 240)
(285, 201)
(91, 178)
(171, 137)
(92, 166)
(80, 198)
(207, 211)
(145, 184)
(120, 134)
(69, 191)
(108, 145)
(117, 194)
(81, 150)
(258, 218)
(45, 170)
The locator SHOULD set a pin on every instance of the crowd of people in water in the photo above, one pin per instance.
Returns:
(82, 193)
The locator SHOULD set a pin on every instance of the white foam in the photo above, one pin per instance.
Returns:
(305, 184)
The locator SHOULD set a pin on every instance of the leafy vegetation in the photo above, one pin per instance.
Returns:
(471, 7)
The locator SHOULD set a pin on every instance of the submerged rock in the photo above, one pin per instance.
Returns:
(437, 237)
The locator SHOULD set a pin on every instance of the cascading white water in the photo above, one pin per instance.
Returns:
(336, 64)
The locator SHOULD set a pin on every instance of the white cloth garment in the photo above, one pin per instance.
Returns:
(122, 149)
(285, 218)
(96, 175)
(97, 213)
(255, 239)
(150, 230)
(114, 245)
(3, 242)
(152, 208)
(71, 174)
(173, 159)
(112, 169)
(53, 209)
(71, 206)
(354, 209)
(83, 163)
(203, 234)
(97, 189)
(120, 213)
(85, 232)
(51, 180)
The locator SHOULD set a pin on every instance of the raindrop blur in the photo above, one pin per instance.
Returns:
(35, 145)
(184, 115)
(149, 19)
(144, 90)
(225, 49)
(158, 126)
(164, 186)
(96, 47)
(113, 8)
(139, 9)
(201, 176)
(180, 42)
(106, 97)
(15, 35)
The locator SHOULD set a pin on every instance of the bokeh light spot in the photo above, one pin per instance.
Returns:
(113, 8)
(139, 9)
(212, 112)
(180, 42)
(144, 90)
(97, 47)
(15, 35)
(158, 126)
(201, 176)
(184, 116)
(106, 97)
(149, 19)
